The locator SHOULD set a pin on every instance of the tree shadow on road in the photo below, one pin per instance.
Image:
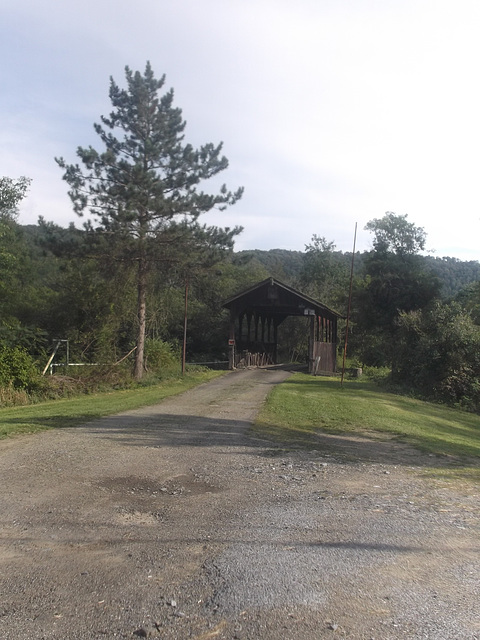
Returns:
(157, 429)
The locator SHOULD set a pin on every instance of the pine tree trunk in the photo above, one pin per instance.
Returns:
(141, 315)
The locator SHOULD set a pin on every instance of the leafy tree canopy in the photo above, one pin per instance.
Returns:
(438, 354)
(393, 233)
(325, 272)
(12, 192)
(397, 279)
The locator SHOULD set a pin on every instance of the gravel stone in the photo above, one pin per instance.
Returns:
(174, 522)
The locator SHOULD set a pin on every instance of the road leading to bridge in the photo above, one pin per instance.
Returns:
(172, 522)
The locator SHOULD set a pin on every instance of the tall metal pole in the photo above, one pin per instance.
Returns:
(184, 350)
(349, 305)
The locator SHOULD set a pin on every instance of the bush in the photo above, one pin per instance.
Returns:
(17, 369)
(379, 375)
(10, 397)
(88, 379)
(438, 355)
(161, 356)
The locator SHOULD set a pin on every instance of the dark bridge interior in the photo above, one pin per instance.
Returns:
(256, 314)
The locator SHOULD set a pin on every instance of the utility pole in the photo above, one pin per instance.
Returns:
(184, 350)
(349, 305)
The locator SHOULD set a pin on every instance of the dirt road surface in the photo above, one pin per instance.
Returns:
(172, 522)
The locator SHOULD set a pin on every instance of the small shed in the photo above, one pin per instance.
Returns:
(257, 312)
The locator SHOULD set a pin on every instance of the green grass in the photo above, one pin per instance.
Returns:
(304, 405)
(75, 411)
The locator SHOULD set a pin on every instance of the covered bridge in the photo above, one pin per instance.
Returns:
(256, 313)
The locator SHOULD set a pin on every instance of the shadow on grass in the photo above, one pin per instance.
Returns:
(155, 429)
(352, 389)
(434, 428)
(15, 426)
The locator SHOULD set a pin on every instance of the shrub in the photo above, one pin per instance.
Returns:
(17, 369)
(438, 355)
(10, 397)
(379, 375)
(161, 356)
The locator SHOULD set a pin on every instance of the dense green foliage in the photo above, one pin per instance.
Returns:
(437, 352)
(55, 287)
(17, 368)
(396, 280)
(12, 192)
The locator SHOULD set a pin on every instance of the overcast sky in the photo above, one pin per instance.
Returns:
(331, 112)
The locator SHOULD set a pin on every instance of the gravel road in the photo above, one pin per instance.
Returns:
(173, 522)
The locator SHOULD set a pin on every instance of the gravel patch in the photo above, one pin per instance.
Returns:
(172, 522)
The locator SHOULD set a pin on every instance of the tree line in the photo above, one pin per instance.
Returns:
(117, 285)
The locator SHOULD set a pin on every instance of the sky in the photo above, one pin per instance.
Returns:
(331, 112)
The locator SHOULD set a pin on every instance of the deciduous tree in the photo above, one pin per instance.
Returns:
(397, 280)
(12, 257)
(324, 274)
(395, 234)
(12, 192)
(438, 354)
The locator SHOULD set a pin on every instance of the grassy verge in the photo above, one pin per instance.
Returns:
(303, 405)
(78, 410)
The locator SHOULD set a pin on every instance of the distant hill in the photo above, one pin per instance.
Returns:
(282, 264)
(454, 274)
(286, 265)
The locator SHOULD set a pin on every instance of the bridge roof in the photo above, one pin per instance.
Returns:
(272, 297)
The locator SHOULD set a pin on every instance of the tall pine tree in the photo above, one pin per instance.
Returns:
(145, 184)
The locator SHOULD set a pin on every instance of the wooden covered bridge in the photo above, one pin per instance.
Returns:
(255, 315)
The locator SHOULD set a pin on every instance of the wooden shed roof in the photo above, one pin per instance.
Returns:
(273, 297)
